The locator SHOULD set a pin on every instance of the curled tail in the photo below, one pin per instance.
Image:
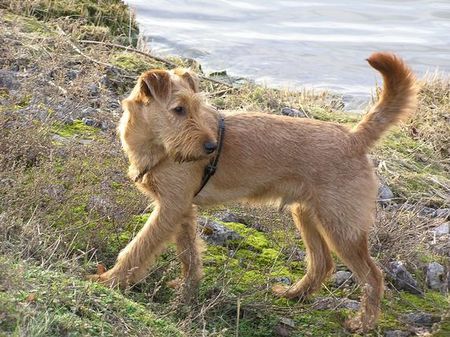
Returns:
(398, 99)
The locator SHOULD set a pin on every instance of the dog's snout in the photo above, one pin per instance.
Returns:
(210, 147)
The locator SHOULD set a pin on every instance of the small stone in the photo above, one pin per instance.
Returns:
(287, 321)
(283, 280)
(341, 277)
(402, 279)
(284, 327)
(397, 333)
(93, 89)
(72, 74)
(443, 229)
(215, 233)
(443, 213)
(428, 212)
(435, 278)
(88, 112)
(8, 80)
(421, 319)
(325, 303)
(59, 139)
(232, 217)
(384, 193)
(89, 121)
(293, 112)
(294, 253)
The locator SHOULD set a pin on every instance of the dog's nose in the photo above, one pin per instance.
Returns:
(210, 147)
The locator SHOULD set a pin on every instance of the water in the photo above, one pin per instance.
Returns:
(294, 44)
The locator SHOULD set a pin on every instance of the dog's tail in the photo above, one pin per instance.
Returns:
(398, 100)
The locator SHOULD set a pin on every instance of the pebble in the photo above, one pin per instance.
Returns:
(293, 112)
(402, 279)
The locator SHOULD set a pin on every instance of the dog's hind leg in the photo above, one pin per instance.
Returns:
(351, 245)
(320, 262)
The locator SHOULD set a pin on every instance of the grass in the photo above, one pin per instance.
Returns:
(66, 203)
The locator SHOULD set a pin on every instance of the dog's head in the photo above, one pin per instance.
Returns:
(166, 110)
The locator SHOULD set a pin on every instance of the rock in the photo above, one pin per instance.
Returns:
(287, 321)
(420, 319)
(89, 121)
(88, 112)
(294, 253)
(341, 277)
(93, 89)
(283, 280)
(72, 74)
(325, 303)
(293, 112)
(284, 327)
(428, 212)
(443, 213)
(402, 279)
(397, 333)
(384, 193)
(228, 216)
(8, 80)
(59, 139)
(106, 125)
(435, 277)
(215, 233)
(105, 81)
(443, 229)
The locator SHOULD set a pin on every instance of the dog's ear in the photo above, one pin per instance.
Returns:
(156, 84)
(189, 77)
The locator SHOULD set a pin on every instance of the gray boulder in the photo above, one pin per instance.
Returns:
(402, 279)
(384, 193)
(443, 229)
(293, 112)
(341, 277)
(420, 319)
(436, 279)
(215, 233)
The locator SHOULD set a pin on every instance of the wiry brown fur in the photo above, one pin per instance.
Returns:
(319, 169)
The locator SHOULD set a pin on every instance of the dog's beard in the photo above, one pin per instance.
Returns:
(183, 158)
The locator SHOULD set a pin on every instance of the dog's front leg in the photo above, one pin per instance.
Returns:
(138, 256)
(189, 252)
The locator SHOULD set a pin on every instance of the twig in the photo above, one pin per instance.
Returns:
(157, 58)
(78, 50)
(237, 315)
(134, 50)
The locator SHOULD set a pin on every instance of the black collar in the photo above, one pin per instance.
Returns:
(211, 168)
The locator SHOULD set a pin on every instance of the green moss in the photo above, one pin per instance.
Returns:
(65, 305)
(132, 62)
(77, 128)
(28, 24)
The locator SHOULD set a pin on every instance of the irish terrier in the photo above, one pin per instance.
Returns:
(319, 169)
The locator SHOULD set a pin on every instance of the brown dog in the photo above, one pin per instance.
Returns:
(319, 169)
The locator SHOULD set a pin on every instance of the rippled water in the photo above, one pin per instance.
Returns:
(300, 43)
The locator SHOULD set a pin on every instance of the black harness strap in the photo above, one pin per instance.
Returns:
(211, 168)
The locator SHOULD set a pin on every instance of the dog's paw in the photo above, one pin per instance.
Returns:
(103, 277)
(280, 290)
(174, 284)
(358, 325)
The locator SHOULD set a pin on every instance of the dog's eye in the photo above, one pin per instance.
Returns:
(179, 110)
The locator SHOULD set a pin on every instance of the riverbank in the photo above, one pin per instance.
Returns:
(66, 203)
